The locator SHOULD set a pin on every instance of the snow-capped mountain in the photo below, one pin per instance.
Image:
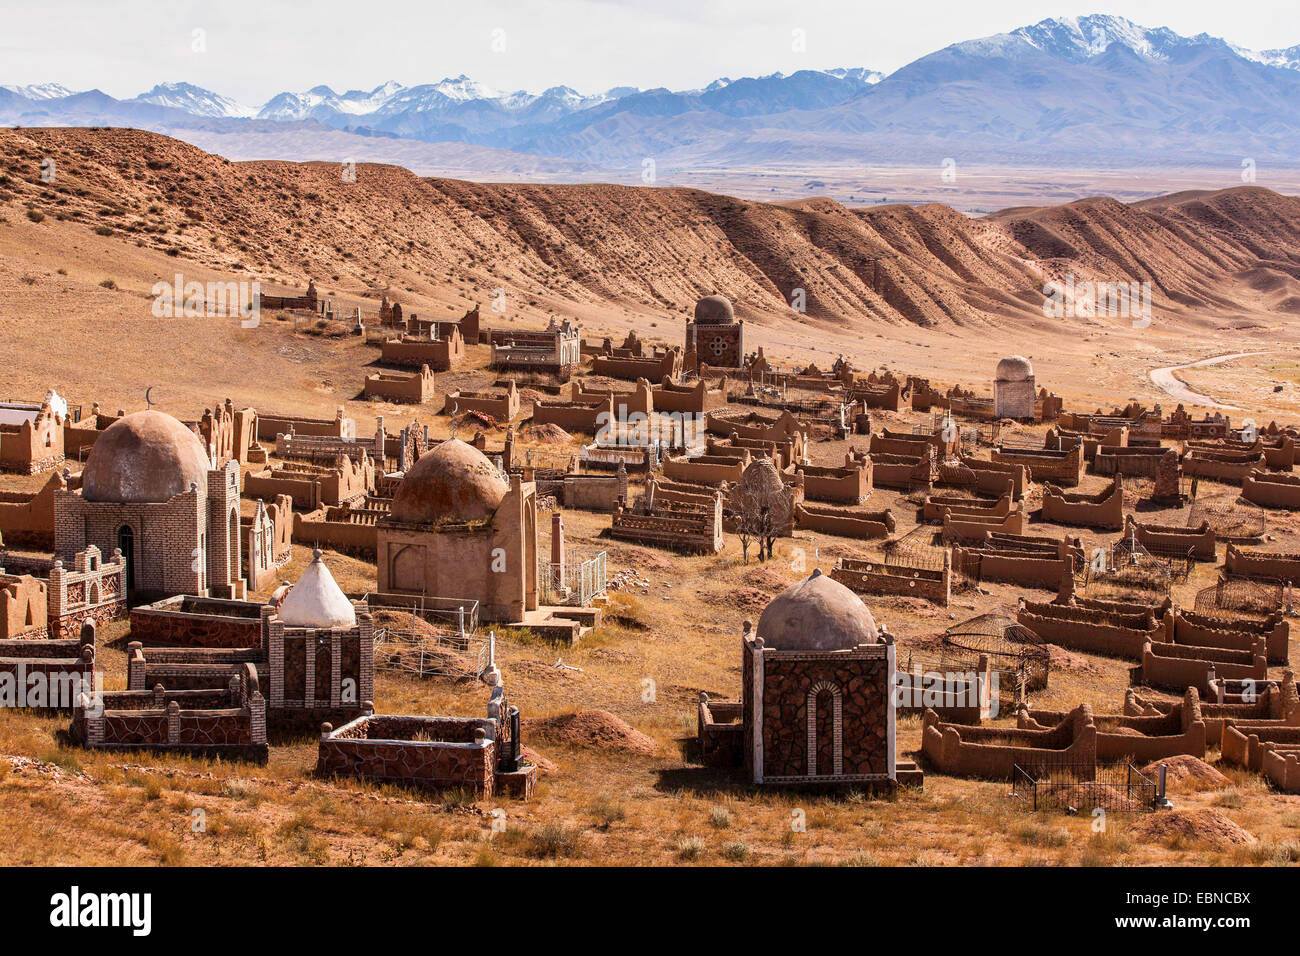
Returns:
(1063, 90)
(194, 100)
(40, 91)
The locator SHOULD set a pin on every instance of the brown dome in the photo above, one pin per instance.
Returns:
(453, 482)
(144, 456)
(714, 310)
(817, 614)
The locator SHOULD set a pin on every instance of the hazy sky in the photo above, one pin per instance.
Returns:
(256, 48)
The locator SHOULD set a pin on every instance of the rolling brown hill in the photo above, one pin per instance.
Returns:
(1209, 256)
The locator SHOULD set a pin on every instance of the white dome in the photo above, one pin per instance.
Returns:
(317, 600)
(1014, 368)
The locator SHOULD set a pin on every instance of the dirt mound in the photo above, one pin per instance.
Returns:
(1197, 826)
(474, 419)
(1058, 658)
(748, 599)
(1189, 772)
(592, 730)
(766, 579)
(548, 434)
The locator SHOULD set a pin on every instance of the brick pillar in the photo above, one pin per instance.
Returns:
(366, 679)
(309, 675)
(336, 668)
(275, 661)
(257, 718)
(173, 723)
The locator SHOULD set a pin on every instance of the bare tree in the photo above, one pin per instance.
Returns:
(762, 507)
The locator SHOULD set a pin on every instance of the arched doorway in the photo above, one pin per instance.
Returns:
(531, 596)
(232, 546)
(825, 734)
(126, 543)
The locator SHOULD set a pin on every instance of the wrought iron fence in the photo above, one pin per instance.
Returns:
(1234, 596)
(453, 614)
(1117, 788)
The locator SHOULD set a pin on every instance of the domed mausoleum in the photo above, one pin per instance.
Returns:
(1013, 388)
(459, 529)
(817, 704)
(150, 489)
(713, 336)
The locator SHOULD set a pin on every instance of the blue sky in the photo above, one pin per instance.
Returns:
(256, 48)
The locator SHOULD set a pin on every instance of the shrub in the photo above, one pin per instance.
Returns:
(690, 848)
(735, 851)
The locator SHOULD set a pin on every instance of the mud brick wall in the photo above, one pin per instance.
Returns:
(349, 537)
(441, 355)
(992, 475)
(1226, 471)
(705, 469)
(27, 520)
(1103, 510)
(1065, 469)
(962, 751)
(1200, 541)
(900, 471)
(1244, 741)
(638, 399)
(1024, 570)
(867, 577)
(696, 399)
(936, 506)
(594, 492)
(500, 407)
(866, 688)
(1253, 563)
(1272, 491)
(270, 425)
(849, 486)
(415, 388)
(969, 528)
(651, 369)
(1242, 634)
(1097, 632)
(888, 397)
(572, 417)
(845, 523)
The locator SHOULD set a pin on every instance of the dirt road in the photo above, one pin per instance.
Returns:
(1164, 378)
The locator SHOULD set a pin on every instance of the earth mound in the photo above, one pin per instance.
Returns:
(1197, 826)
(592, 730)
(1189, 770)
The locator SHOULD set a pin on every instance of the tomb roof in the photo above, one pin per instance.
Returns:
(1014, 368)
(817, 614)
(714, 310)
(317, 600)
(452, 482)
(144, 457)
